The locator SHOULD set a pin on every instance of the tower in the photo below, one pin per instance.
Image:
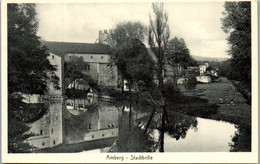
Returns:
(104, 36)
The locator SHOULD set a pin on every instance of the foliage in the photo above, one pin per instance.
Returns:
(73, 68)
(28, 71)
(17, 126)
(237, 23)
(127, 30)
(178, 53)
(159, 34)
(171, 92)
(179, 125)
(27, 59)
(133, 61)
(226, 70)
(190, 79)
(241, 141)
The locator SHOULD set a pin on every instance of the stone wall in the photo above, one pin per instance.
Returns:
(108, 75)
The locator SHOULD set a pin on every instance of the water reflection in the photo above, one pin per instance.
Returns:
(88, 125)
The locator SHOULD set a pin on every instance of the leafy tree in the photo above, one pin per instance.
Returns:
(128, 30)
(159, 34)
(28, 67)
(133, 61)
(27, 59)
(178, 53)
(17, 126)
(73, 68)
(125, 32)
(237, 24)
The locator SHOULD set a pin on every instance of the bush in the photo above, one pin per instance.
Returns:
(191, 81)
(171, 92)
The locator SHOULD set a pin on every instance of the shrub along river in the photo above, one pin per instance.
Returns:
(88, 125)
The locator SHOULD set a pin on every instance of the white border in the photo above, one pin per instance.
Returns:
(228, 157)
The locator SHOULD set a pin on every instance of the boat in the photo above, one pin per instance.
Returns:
(203, 79)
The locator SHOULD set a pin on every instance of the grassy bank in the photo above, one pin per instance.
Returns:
(195, 106)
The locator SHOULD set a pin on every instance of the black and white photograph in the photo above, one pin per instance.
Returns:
(126, 81)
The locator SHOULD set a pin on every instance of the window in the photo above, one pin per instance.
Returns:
(89, 67)
(43, 144)
(51, 131)
(52, 56)
(53, 142)
(41, 132)
(102, 57)
(89, 126)
(91, 57)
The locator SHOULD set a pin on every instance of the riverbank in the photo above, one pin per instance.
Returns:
(218, 100)
(244, 89)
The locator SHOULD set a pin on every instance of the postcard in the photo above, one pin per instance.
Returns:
(129, 81)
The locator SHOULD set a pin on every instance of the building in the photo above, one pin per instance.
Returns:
(58, 61)
(104, 37)
(97, 57)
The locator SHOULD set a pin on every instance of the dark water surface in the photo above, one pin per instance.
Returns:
(88, 125)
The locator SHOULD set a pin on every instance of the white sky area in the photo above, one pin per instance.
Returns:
(198, 23)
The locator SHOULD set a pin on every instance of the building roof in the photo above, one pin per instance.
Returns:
(60, 48)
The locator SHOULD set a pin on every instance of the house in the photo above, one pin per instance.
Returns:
(97, 57)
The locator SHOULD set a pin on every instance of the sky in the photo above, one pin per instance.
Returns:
(198, 23)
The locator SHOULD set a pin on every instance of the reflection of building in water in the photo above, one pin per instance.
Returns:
(79, 103)
(48, 129)
(59, 128)
(96, 123)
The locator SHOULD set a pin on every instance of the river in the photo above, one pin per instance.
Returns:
(88, 125)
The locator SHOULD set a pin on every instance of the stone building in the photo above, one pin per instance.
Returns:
(104, 36)
(58, 61)
(97, 57)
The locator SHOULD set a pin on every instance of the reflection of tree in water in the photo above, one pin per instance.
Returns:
(134, 141)
(133, 138)
(241, 139)
(179, 125)
(176, 126)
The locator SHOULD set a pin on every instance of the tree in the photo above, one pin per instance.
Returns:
(73, 68)
(159, 34)
(28, 67)
(133, 61)
(178, 53)
(237, 24)
(125, 32)
(128, 30)
(27, 59)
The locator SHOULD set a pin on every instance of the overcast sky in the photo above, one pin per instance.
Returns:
(198, 23)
